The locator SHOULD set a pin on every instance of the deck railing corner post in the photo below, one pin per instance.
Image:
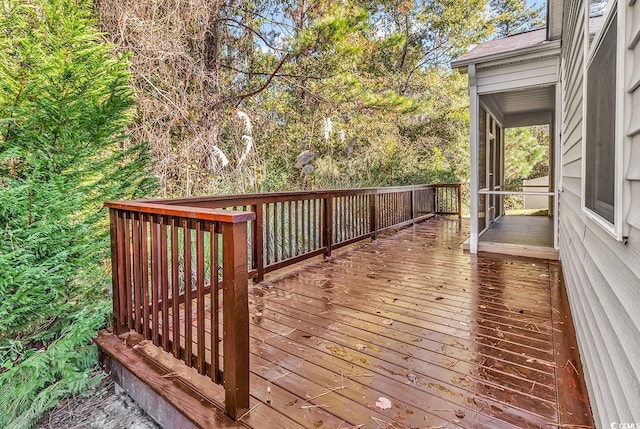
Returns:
(327, 231)
(235, 318)
(413, 206)
(459, 190)
(373, 215)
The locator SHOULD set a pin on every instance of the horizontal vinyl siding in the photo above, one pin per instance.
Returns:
(530, 73)
(602, 275)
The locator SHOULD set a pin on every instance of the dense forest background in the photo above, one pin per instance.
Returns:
(122, 99)
(238, 96)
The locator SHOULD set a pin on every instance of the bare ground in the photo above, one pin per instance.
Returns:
(103, 408)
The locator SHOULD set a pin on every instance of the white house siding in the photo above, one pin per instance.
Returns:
(602, 274)
(531, 71)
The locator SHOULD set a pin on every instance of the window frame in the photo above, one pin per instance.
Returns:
(590, 49)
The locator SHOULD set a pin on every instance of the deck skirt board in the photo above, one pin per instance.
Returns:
(451, 339)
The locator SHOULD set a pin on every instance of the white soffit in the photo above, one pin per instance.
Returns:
(515, 106)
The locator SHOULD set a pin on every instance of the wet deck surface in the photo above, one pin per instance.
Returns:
(409, 331)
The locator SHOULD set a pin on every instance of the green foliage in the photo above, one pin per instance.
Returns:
(526, 153)
(64, 104)
(397, 115)
(526, 157)
(515, 16)
(377, 70)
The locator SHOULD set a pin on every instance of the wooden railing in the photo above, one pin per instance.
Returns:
(164, 257)
(174, 258)
(293, 226)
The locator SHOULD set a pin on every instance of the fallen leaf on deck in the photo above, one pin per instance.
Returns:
(413, 378)
(360, 347)
(439, 298)
(337, 350)
(482, 306)
(387, 322)
(383, 403)
(460, 414)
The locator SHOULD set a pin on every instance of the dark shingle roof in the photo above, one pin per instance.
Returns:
(504, 45)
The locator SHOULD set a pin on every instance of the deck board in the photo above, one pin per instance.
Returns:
(451, 339)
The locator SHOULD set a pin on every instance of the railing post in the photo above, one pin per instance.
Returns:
(327, 232)
(373, 215)
(413, 206)
(258, 243)
(235, 315)
(458, 187)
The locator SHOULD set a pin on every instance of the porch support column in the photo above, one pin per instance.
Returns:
(556, 147)
(474, 111)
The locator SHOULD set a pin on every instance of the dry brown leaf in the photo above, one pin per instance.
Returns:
(383, 403)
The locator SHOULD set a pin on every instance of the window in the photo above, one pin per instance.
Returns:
(597, 7)
(598, 11)
(600, 115)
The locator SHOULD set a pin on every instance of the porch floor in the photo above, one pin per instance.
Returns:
(409, 331)
(521, 230)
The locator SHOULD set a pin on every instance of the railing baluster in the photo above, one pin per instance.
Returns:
(280, 237)
(340, 219)
(200, 326)
(144, 244)
(214, 303)
(155, 282)
(307, 212)
(289, 229)
(175, 289)
(137, 281)
(188, 314)
(117, 254)
(258, 242)
(128, 293)
(267, 229)
(352, 227)
(164, 282)
(312, 215)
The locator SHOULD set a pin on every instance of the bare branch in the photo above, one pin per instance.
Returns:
(254, 31)
(241, 97)
(293, 76)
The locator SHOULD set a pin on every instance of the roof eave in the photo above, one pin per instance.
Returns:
(541, 47)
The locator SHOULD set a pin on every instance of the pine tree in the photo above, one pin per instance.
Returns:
(64, 103)
(515, 16)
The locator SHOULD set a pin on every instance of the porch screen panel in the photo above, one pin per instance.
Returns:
(600, 137)
(497, 175)
(482, 167)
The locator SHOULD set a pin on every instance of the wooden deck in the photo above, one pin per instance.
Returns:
(409, 331)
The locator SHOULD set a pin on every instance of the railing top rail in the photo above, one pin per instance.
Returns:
(278, 196)
(216, 215)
